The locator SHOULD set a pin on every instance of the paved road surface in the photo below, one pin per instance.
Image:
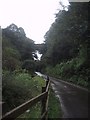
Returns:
(74, 100)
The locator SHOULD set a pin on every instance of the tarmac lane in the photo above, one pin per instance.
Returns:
(73, 99)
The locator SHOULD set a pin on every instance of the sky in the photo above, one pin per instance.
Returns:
(34, 16)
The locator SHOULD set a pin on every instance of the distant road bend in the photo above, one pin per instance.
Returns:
(73, 99)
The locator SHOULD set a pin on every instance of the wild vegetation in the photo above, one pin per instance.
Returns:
(19, 82)
(18, 64)
(54, 109)
(65, 55)
(66, 47)
(18, 50)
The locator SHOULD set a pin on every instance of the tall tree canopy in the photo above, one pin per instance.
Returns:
(16, 47)
(64, 38)
(67, 45)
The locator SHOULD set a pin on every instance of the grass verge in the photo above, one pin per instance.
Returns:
(54, 108)
(35, 111)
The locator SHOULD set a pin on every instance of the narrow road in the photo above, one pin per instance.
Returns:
(73, 99)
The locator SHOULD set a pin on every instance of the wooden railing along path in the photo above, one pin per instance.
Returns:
(43, 97)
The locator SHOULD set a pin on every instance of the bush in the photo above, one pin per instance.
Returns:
(73, 71)
(29, 65)
(11, 59)
(18, 88)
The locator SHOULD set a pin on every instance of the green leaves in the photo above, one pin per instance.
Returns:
(17, 48)
(11, 59)
(19, 87)
(67, 43)
(64, 36)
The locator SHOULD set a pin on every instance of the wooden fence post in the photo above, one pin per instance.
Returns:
(44, 112)
(43, 104)
(47, 98)
(47, 80)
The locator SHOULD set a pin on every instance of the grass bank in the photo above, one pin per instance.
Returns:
(19, 87)
(54, 109)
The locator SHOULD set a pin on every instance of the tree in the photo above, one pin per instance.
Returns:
(16, 47)
(29, 65)
(62, 41)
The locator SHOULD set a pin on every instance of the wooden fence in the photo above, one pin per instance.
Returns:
(43, 97)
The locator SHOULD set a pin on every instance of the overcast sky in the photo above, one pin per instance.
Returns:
(35, 16)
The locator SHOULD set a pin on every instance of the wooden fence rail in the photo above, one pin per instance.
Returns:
(43, 97)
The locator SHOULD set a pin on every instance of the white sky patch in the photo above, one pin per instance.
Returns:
(34, 16)
(79, 0)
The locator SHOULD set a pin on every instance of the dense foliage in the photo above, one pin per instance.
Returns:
(19, 87)
(67, 45)
(17, 48)
(18, 67)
